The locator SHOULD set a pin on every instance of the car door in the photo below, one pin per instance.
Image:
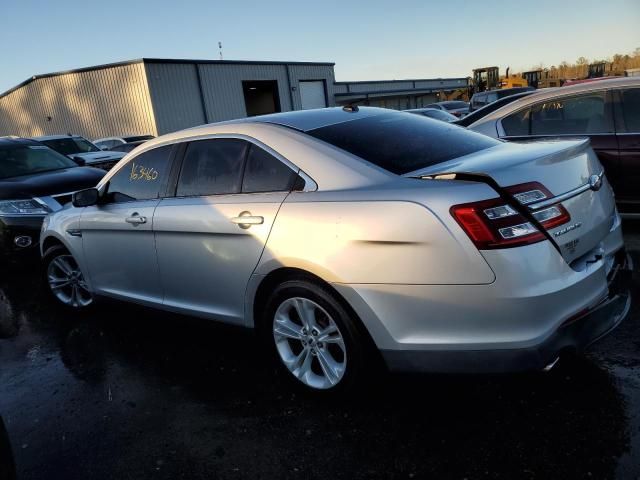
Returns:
(570, 116)
(210, 236)
(117, 234)
(628, 136)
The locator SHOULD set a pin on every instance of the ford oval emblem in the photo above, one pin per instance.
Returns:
(595, 182)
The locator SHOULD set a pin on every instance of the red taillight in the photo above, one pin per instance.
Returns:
(492, 224)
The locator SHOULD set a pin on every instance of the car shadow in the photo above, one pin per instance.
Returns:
(177, 380)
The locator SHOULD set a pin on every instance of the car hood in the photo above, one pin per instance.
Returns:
(96, 157)
(50, 183)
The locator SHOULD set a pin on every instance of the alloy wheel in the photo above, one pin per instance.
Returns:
(67, 282)
(309, 343)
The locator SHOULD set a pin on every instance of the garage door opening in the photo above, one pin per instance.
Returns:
(313, 94)
(261, 97)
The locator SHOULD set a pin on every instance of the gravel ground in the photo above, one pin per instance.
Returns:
(133, 393)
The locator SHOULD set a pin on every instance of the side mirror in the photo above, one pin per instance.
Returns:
(79, 160)
(103, 147)
(86, 198)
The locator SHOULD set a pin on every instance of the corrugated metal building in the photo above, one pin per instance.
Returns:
(157, 96)
(396, 94)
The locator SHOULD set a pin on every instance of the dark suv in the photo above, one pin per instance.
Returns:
(34, 181)
(607, 112)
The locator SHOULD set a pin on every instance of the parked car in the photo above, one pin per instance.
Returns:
(342, 234)
(81, 150)
(487, 109)
(34, 181)
(127, 147)
(454, 107)
(607, 112)
(110, 142)
(433, 113)
(481, 99)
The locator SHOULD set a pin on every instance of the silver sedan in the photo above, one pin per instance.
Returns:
(346, 234)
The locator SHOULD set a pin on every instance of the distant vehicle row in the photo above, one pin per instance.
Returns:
(607, 111)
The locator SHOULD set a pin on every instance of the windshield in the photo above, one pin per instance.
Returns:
(71, 145)
(21, 160)
(402, 142)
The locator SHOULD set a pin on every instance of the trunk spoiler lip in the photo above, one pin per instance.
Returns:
(560, 146)
(594, 183)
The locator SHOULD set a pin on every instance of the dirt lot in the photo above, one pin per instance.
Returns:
(133, 393)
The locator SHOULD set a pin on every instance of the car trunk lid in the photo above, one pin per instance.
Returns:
(569, 171)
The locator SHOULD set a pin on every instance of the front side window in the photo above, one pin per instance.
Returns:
(143, 178)
(212, 167)
(71, 145)
(21, 160)
(580, 115)
(631, 109)
(265, 173)
(402, 143)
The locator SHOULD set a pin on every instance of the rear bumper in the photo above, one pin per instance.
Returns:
(12, 227)
(574, 334)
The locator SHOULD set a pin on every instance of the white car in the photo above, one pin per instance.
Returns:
(109, 142)
(81, 150)
(342, 234)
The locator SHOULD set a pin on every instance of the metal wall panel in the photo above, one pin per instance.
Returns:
(222, 88)
(93, 103)
(312, 72)
(175, 94)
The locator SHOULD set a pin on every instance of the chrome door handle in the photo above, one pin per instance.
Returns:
(136, 219)
(245, 220)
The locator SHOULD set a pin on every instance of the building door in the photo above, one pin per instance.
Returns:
(312, 94)
(261, 97)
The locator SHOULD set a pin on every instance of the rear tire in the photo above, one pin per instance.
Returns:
(64, 281)
(313, 338)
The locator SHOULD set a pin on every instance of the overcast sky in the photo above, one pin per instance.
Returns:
(367, 40)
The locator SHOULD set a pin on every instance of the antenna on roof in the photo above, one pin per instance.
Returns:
(351, 108)
(220, 49)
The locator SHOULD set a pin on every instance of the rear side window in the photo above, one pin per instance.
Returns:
(517, 124)
(402, 142)
(265, 173)
(212, 167)
(143, 178)
(579, 115)
(631, 109)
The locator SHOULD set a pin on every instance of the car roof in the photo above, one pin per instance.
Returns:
(15, 141)
(305, 120)
(53, 137)
(425, 109)
(549, 93)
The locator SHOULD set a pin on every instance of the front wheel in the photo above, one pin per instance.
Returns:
(65, 280)
(314, 337)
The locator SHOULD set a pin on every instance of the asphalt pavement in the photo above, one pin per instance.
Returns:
(131, 393)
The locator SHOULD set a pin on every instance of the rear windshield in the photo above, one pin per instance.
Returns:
(16, 161)
(402, 142)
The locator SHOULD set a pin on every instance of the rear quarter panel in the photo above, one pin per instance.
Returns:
(394, 236)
